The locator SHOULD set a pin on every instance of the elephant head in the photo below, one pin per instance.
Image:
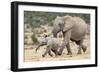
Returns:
(62, 24)
(57, 25)
(42, 42)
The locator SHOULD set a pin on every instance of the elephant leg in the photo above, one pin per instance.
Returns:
(55, 52)
(80, 46)
(84, 48)
(47, 51)
(61, 48)
(67, 36)
(64, 44)
(50, 53)
(69, 49)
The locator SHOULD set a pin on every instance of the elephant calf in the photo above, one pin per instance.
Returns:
(52, 45)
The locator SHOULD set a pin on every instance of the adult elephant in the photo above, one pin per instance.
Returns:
(73, 28)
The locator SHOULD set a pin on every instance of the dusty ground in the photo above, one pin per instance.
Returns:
(30, 54)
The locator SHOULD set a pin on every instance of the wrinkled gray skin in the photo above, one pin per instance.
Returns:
(73, 28)
(51, 43)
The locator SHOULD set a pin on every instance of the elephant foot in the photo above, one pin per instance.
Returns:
(56, 55)
(59, 53)
(43, 55)
(84, 49)
(51, 55)
(70, 56)
(69, 53)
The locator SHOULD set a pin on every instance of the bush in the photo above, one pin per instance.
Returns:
(25, 37)
(34, 39)
(36, 18)
(25, 43)
(38, 35)
(45, 30)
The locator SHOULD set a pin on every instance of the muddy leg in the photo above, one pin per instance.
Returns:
(69, 49)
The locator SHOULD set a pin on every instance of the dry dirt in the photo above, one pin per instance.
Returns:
(30, 54)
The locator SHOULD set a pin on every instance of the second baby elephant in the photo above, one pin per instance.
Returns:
(73, 28)
(52, 45)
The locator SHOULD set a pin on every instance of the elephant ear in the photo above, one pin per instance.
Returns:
(68, 23)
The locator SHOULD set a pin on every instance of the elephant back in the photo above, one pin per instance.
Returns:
(79, 28)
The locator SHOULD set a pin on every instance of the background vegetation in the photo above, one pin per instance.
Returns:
(36, 18)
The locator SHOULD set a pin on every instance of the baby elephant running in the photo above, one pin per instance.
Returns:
(52, 45)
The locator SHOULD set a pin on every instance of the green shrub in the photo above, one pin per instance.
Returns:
(25, 37)
(38, 18)
(25, 43)
(34, 39)
(45, 30)
(38, 35)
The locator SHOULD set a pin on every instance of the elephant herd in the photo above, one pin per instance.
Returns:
(72, 28)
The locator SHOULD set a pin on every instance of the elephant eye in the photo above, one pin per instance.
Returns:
(59, 24)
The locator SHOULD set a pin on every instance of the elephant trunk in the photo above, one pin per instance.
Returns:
(37, 48)
(56, 29)
(55, 32)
